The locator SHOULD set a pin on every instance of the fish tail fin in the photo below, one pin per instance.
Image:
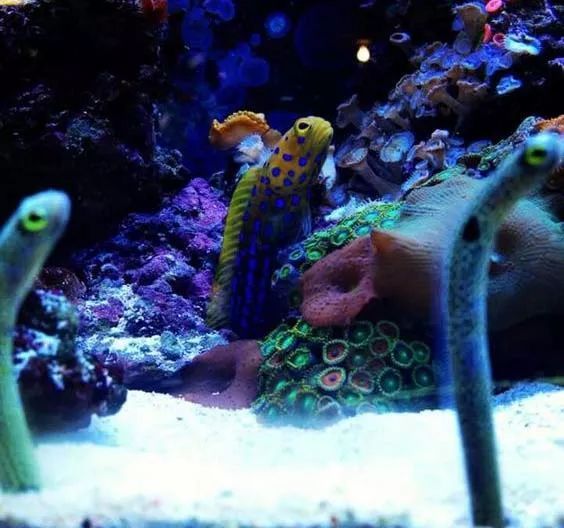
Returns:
(218, 313)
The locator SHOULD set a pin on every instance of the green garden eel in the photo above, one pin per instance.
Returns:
(25, 243)
(466, 273)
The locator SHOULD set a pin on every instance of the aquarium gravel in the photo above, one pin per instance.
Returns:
(163, 462)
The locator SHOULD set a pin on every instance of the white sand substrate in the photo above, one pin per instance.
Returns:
(165, 462)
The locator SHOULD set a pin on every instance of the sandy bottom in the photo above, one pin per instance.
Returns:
(165, 462)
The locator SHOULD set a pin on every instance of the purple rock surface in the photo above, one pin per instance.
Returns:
(148, 287)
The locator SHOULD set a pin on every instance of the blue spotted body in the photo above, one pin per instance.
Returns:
(269, 210)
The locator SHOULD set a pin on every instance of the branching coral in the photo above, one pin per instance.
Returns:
(25, 242)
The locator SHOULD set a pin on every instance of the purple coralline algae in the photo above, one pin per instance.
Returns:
(148, 287)
(62, 386)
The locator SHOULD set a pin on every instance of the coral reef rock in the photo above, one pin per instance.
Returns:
(61, 386)
(79, 85)
(149, 285)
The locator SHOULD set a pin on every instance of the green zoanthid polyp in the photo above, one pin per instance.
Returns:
(464, 306)
(26, 240)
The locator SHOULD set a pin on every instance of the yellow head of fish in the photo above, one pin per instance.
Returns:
(299, 155)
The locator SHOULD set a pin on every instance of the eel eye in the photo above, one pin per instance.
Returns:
(535, 156)
(34, 220)
(303, 125)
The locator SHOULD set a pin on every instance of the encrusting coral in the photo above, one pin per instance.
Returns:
(344, 287)
(25, 242)
(225, 376)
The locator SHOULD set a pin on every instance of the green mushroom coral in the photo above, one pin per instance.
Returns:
(25, 243)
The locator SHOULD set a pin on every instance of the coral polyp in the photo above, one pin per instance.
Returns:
(348, 371)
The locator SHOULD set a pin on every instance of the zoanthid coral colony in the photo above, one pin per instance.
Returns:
(25, 243)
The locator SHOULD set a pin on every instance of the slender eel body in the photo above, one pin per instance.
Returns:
(269, 210)
(25, 242)
(465, 310)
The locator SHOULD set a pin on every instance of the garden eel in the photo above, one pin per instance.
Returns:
(464, 306)
(25, 243)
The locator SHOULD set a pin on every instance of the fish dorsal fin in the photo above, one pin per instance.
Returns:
(218, 313)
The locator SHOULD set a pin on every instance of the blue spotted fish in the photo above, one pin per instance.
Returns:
(269, 210)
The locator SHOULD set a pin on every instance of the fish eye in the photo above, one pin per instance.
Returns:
(535, 155)
(34, 220)
(303, 126)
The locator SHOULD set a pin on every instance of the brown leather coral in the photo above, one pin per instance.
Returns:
(238, 126)
(405, 263)
(336, 288)
(526, 271)
(226, 376)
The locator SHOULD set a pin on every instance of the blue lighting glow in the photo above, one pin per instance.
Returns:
(277, 25)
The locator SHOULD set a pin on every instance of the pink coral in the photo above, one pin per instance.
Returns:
(226, 376)
(338, 287)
